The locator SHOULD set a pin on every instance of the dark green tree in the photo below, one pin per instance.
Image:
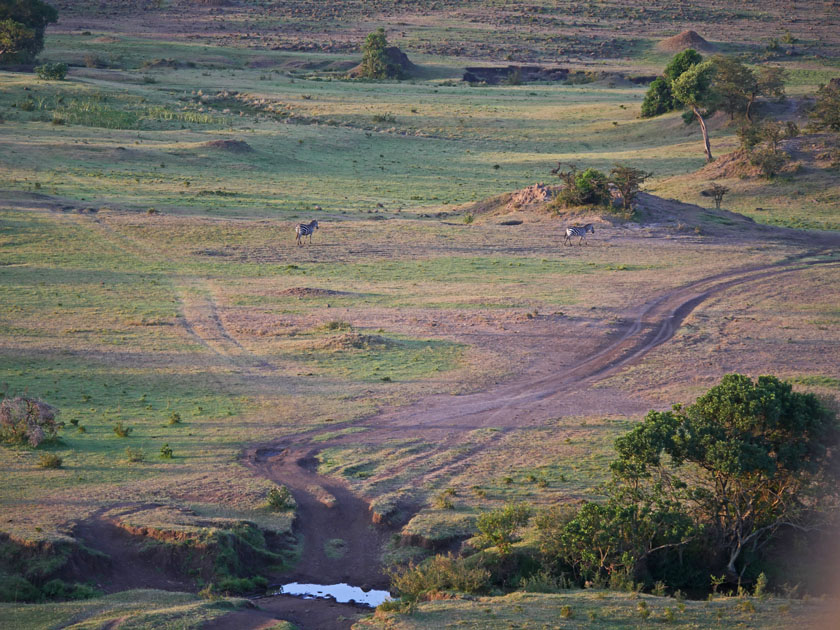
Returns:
(695, 89)
(747, 459)
(681, 62)
(375, 61)
(22, 26)
(826, 111)
(658, 99)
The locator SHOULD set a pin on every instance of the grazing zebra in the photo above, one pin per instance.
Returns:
(305, 229)
(576, 230)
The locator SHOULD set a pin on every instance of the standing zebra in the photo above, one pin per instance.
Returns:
(305, 229)
(576, 230)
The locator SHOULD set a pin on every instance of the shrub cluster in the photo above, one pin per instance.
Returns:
(592, 187)
(280, 498)
(762, 144)
(52, 71)
(27, 421)
(437, 575)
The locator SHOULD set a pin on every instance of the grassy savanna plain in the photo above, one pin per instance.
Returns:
(205, 311)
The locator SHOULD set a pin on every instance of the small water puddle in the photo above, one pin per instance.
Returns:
(342, 593)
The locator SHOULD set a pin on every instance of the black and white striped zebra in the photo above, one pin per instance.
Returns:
(305, 229)
(576, 230)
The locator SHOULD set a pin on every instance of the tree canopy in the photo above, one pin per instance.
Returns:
(659, 98)
(706, 488)
(22, 26)
(695, 89)
(375, 61)
(826, 111)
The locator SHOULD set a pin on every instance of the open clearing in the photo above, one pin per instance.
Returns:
(149, 279)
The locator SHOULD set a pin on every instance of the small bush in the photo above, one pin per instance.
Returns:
(337, 325)
(498, 527)
(770, 161)
(122, 431)
(165, 452)
(49, 460)
(441, 573)
(544, 582)
(589, 187)
(26, 420)
(135, 455)
(469, 218)
(175, 418)
(58, 589)
(14, 588)
(52, 71)
(566, 612)
(760, 590)
(442, 502)
(281, 499)
(384, 118)
(643, 610)
(92, 61)
(234, 585)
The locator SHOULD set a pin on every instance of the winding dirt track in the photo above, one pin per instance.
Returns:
(328, 509)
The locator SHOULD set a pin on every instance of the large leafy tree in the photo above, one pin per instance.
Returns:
(695, 88)
(22, 26)
(704, 489)
(747, 459)
(660, 98)
(739, 86)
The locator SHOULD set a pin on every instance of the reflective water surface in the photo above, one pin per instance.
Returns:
(342, 593)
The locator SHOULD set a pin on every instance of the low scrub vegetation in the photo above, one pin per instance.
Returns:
(280, 498)
(27, 421)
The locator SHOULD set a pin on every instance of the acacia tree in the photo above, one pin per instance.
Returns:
(740, 87)
(628, 180)
(22, 26)
(747, 459)
(695, 89)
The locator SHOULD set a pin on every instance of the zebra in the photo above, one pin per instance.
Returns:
(305, 229)
(576, 230)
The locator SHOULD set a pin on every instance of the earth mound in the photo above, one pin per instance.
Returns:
(532, 195)
(231, 146)
(685, 40)
(396, 58)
